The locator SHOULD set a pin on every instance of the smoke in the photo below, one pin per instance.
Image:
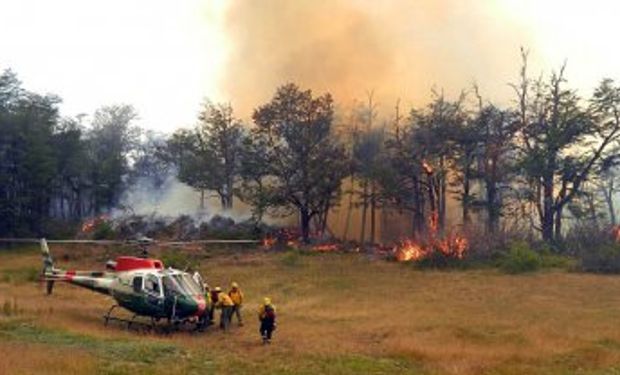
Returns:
(398, 48)
(171, 199)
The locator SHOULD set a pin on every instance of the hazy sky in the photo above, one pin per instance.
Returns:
(164, 57)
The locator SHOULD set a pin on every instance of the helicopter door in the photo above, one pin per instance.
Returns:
(137, 284)
(152, 287)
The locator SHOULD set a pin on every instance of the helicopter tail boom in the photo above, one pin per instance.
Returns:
(95, 281)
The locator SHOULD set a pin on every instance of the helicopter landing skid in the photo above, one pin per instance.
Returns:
(107, 318)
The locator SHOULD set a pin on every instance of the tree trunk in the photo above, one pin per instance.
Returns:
(592, 207)
(466, 199)
(558, 223)
(418, 211)
(305, 224)
(608, 193)
(491, 206)
(372, 213)
(364, 209)
(433, 206)
(548, 211)
(442, 198)
(349, 211)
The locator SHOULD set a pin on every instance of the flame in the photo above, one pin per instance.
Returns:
(615, 232)
(325, 247)
(433, 223)
(427, 167)
(409, 250)
(269, 241)
(452, 246)
(90, 224)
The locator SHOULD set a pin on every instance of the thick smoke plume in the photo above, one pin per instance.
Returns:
(171, 199)
(398, 48)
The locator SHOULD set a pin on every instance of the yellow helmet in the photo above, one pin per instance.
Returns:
(234, 285)
(217, 289)
(267, 301)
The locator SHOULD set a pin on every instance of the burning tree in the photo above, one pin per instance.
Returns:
(305, 162)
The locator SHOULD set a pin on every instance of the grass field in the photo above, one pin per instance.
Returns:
(338, 314)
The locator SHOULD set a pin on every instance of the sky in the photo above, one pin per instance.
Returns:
(166, 56)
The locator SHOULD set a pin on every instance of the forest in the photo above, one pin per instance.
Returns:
(544, 168)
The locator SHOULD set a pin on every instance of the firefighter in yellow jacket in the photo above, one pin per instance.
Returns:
(204, 320)
(226, 305)
(236, 295)
(267, 318)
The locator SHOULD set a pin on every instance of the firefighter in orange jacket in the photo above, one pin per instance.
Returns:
(236, 295)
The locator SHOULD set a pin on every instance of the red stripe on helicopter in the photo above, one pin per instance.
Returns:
(134, 263)
(69, 275)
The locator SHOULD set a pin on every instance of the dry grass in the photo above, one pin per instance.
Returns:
(340, 314)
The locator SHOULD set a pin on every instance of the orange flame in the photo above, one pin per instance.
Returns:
(409, 250)
(453, 246)
(268, 242)
(427, 167)
(325, 247)
(615, 232)
(90, 224)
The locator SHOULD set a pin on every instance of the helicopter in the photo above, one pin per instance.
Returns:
(141, 285)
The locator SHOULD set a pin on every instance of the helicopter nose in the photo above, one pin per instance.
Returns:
(201, 305)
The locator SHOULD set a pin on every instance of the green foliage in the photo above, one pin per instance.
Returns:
(602, 258)
(551, 259)
(292, 258)
(438, 260)
(20, 275)
(50, 167)
(10, 308)
(207, 156)
(54, 228)
(104, 231)
(178, 259)
(306, 161)
(520, 258)
(137, 352)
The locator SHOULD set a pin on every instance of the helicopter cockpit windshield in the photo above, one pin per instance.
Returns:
(191, 286)
(180, 284)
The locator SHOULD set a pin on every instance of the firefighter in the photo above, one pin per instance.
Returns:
(213, 298)
(204, 320)
(237, 297)
(225, 304)
(267, 318)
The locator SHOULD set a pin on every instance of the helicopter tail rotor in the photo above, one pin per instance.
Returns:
(47, 273)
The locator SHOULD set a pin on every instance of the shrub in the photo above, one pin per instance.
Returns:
(603, 258)
(104, 231)
(59, 229)
(292, 258)
(177, 259)
(520, 258)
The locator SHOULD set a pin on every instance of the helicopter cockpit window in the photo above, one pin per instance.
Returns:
(171, 287)
(191, 285)
(137, 284)
(151, 285)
